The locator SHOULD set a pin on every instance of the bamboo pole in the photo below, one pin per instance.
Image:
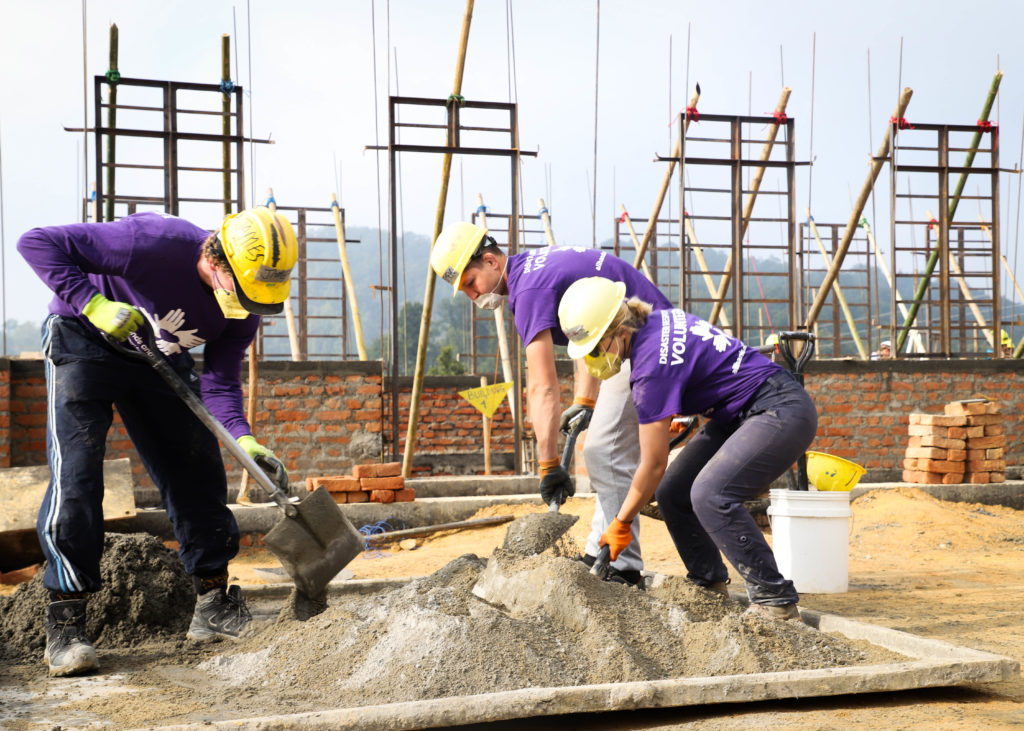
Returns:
(636, 243)
(499, 319)
(545, 218)
(972, 305)
(652, 221)
(748, 205)
(933, 258)
(487, 435)
(698, 253)
(916, 334)
(225, 110)
(289, 313)
(428, 295)
(112, 77)
(858, 207)
(350, 287)
(838, 292)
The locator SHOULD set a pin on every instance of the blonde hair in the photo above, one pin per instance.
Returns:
(631, 316)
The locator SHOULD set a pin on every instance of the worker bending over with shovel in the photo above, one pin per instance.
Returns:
(534, 281)
(193, 288)
(760, 420)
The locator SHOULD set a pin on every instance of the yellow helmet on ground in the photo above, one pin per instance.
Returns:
(261, 249)
(586, 310)
(456, 245)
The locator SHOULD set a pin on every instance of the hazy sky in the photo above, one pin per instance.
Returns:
(312, 91)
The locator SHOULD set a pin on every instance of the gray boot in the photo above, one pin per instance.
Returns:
(68, 650)
(219, 614)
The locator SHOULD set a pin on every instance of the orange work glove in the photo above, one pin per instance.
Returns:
(617, 536)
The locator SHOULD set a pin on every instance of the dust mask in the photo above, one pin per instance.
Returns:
(492, 300)
(230, 307)
(603, 366)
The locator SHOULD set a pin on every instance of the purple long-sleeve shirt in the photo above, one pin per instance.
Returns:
(149, 260)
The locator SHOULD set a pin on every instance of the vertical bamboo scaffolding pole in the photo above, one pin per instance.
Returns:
(840, 298)
(1006, 264)
(748, 205)
(289, 312)
(636, 243)
(972, 305)
(545, 218)
(915, 334)
(112, 77)
(858, 208)
(350, 287)
(428, 295)
(698, 254)
(499, 318)
(225, 110)
(933, 258)
(652, 221)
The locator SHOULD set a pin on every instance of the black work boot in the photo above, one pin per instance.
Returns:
(68, 650)
(220, 614)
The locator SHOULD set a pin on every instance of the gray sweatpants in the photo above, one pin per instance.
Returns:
(612, 453)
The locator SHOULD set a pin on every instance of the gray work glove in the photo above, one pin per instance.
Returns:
(582, 412)
(556, 483)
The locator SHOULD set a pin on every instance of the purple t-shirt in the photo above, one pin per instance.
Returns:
(681, 364)
(538, 278)
(149, 260)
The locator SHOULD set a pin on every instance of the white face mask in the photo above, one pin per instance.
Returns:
(492, 300)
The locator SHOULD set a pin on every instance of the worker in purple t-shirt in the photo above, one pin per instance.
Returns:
(760, 420)
(470, 260)
(192, 288)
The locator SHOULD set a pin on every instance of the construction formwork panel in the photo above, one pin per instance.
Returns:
(944, 200)
(162, 147)
(737, 194)
(851, 306)
(320, 302)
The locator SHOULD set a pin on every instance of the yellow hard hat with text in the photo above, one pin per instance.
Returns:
(455, 246)
(261, 249)
(586, 310)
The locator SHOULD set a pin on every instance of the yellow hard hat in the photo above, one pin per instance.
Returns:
(772, 339)
(586, 310)
(1004, 338)
(454, 248)
(261, 249)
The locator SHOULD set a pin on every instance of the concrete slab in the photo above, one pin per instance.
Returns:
(932, 664)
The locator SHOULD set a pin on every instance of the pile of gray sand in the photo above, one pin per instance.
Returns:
(516, 622)
(146, 595)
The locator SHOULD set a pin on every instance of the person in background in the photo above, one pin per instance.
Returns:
(149, 270)
(466, 257)
(884, 351)
(759, 421)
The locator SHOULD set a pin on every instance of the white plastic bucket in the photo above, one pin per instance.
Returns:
(811, 539)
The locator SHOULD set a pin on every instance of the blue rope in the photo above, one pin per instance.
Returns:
(372, 529)
(227, 86)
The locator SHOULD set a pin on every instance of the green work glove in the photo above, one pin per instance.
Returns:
(116, 319)
(266, 460)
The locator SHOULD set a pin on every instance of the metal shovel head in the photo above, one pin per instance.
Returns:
(316, 544)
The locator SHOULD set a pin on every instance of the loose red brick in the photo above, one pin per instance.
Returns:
(994, 453)
(910, 464)
(382, 496)
(993, 430)
(339, 483)
(940, 465)
(965, 408)
(405, 495)
(386, 469)
(382, 483)
(938, 420)
(340, 497)
(986, 442)
(309, 484)
(922, 478)
(940, 441)
(926, 453)
(997, 477)
(957, 432)
(985, 420)
(358, 497)
(986, 465)
(952, 478)
(976, 478)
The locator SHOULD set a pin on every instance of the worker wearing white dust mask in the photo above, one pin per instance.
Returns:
(760, 420)
(193, 288)
(534, 281)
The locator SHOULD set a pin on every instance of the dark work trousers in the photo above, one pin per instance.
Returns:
(701, 495)
(84, 377)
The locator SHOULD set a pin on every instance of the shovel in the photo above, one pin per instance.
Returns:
(314, 541)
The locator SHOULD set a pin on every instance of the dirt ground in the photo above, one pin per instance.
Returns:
(948, 571)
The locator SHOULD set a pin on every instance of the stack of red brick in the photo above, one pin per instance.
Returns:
(965, 444)
(375, 483)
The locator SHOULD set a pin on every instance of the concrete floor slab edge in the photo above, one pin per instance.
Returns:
(937, 664)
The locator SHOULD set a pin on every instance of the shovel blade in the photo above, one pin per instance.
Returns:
(316, 544)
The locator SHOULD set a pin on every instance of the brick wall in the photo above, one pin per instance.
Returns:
(324, 417)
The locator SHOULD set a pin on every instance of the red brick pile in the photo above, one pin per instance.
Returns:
(375, 483)
(965, 444)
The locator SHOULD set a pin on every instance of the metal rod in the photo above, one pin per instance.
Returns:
(499, 317)
(225, 76)
(350, 286)
(850, 322)
(108, 212)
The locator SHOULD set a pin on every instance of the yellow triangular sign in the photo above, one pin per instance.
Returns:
(486, 398)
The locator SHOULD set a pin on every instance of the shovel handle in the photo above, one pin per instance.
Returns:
(141, 344)
(574, 431)
(602, 563)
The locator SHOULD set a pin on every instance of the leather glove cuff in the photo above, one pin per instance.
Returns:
(584, 401)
